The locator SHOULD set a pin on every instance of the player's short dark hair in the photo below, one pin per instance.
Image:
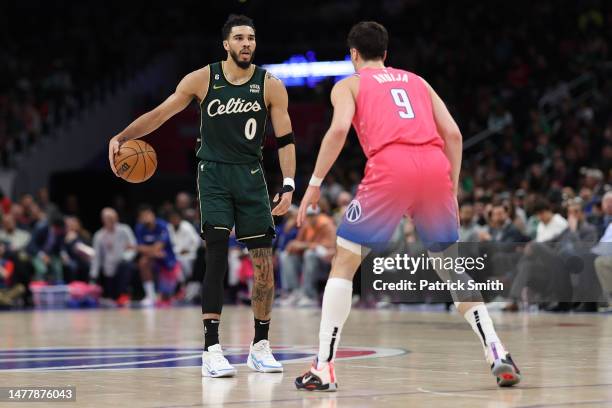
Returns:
(370, 39)
(236, 20)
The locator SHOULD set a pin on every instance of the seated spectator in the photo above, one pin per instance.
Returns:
(17, 238)
(550, 225)
(310, 253)
(286, 232)
(468, 228)
(500, 227)
(501, 241)
(183, 202)
(186, 242)
(499, 118)
(576, 243)
(5, 203)
(114, 250)
(10, 289)
(45, 249)
(547, 265)
(603, 251)
(77, 251)
(156, 256)
(342, 202)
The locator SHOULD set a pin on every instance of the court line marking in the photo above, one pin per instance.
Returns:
(379, 352)
(65, 368)
(408, 369)
(387, 394)
(451, 394)
(567, 404)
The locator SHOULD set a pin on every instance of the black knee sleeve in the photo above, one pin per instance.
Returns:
(217, 241)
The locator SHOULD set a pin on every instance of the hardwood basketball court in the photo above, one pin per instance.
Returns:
(149, 358)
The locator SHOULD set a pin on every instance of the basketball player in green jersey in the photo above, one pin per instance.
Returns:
(235, 100)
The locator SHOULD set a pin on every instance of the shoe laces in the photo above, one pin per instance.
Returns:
(218, 358)
(263, 349)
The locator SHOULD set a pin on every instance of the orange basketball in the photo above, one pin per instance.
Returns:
(136, 161)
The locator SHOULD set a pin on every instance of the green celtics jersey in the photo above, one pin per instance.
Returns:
(233, 119)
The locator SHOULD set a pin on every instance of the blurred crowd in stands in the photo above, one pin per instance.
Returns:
(534, 76)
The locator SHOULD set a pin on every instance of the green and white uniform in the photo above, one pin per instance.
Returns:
(231, 183)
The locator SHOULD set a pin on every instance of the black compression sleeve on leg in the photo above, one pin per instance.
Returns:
(217, 240)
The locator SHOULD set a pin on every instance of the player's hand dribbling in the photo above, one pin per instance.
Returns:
(311, 198)
(283, 206)
(113, 149)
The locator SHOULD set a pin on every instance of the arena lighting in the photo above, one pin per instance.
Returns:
(305, 70)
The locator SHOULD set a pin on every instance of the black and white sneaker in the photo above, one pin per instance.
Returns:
(502, 365)
(320, 377)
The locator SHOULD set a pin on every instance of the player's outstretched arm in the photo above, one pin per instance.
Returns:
(186, 90)
(343, 100)
(279, 102)
(449, 131)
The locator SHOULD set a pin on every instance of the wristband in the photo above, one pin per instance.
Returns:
(288, 181)
(315, 181)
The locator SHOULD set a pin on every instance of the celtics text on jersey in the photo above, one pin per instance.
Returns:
(233, 118)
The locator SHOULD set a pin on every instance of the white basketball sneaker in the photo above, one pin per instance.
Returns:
(261, 358)
(502, 366)
(214, 364)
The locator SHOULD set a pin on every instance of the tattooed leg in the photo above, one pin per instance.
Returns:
(263, 286)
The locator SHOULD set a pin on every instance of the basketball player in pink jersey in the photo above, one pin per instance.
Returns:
(413, 147)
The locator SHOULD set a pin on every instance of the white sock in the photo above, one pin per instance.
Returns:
(478, 317)
(149, 288)
(336, 308)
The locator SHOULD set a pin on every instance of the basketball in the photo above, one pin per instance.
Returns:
(136, 161)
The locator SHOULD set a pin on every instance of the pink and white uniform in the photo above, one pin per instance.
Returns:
(407, 172)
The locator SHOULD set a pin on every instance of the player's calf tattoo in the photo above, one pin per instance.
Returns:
(263, 285)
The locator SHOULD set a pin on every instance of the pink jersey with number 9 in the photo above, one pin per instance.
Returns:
(393, 108)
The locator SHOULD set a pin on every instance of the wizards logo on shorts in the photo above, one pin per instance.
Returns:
(123, 358)
(353, 211)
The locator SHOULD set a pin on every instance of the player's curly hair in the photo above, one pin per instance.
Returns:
(236, 20)
(370, 39)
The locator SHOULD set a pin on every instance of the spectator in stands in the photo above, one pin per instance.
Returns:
(5, 203)
(186, 242)
(499, 118)
(10, 289)
(45, 249)
(551, 224)
(286, 232)
(183, 201)
(45, 203)
(310, 253)
(500, 227)
(549, 262)
(342, 202)
(16, 238)
(19, 215)
(603, 251)
(156, 256)
(574, 246)
(114, 250)
(468, 228)
(77, 251)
